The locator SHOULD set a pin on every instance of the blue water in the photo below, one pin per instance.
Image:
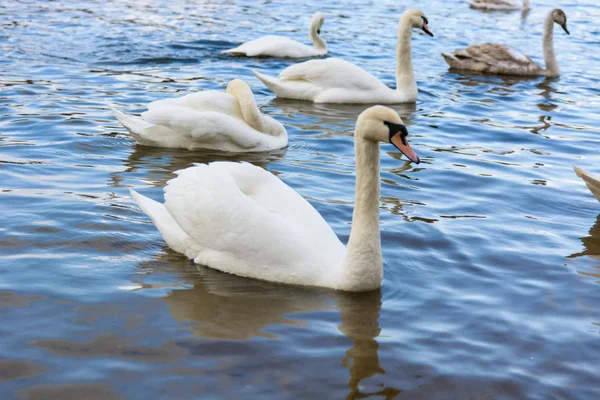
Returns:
(491, 244)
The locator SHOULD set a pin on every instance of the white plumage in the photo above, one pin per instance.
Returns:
(500, 5)
(241, 219)
(337, 81)
(279, 46)
(215, 120)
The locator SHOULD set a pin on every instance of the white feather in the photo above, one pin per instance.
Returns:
(279, 46)
(337, 81)
(500, 5)
(241, 219)
(209, 120)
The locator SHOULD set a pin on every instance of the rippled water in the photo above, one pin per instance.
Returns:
(491, 245)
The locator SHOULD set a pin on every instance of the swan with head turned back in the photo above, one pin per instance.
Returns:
(279, 46)
(228, 121)
(591, 181)
(500, 5)
(243, 220)
(499, 59)
(337, 81)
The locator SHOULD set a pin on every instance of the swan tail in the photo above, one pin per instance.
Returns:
(269, 81)
(592, 183)
(169, 229)
(135, 125)
(289, 89)
(234, 50)
(452, 61)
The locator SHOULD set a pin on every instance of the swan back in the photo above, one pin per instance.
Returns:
(500, 5)
(493, 58)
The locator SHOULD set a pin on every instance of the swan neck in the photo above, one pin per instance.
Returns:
(250, 111)
(363, 265)
(315, 38)
(549, 56)
(526, 4)
(405, 74)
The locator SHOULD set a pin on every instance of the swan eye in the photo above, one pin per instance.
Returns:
(425, 20)
(318, 31)
(395, 129)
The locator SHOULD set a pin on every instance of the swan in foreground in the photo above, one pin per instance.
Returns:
(228, 121)
(500, 5)
(592, 182)
(279, 46)
(337, 81)
(499, 59)
(243, 220)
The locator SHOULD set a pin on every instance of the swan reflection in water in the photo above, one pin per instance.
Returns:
(329, 117)
(156, 165)
(591, 243)
(215, 305)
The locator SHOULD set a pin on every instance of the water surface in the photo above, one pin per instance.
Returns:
(491, 244)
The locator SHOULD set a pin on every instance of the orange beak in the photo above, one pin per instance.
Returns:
(426, 30)
(399, 141)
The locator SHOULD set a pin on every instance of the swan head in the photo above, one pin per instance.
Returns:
(238, 88)
(317, 22)
(382, 124)
(418, 20)
(560, 18)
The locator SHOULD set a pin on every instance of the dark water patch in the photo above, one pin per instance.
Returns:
(111, 346)
(13, 300)
(18, 369)
(88, 391)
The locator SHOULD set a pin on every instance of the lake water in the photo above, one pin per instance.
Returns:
(491, 244)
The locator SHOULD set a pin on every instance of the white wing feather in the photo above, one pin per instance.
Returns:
(332, 73)
(203, 127)
(250, 223)
(275, 46)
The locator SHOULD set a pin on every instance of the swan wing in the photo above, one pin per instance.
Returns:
(591, 181)
(252, 224)
(495, 5)
(210, 100)
(495, 58)
(492, 53)
(332, 73)
(275, 46)
(201, 128)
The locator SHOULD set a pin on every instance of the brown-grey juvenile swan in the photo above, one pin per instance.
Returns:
(337, 81)
(243, 220)
(499, 59)
(279, 46)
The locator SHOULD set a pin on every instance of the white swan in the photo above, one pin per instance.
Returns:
(592, 182)
(279, 46)
(215, 120)
(241, 219)
(337, 81)
(499, 59)
(500, 5)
